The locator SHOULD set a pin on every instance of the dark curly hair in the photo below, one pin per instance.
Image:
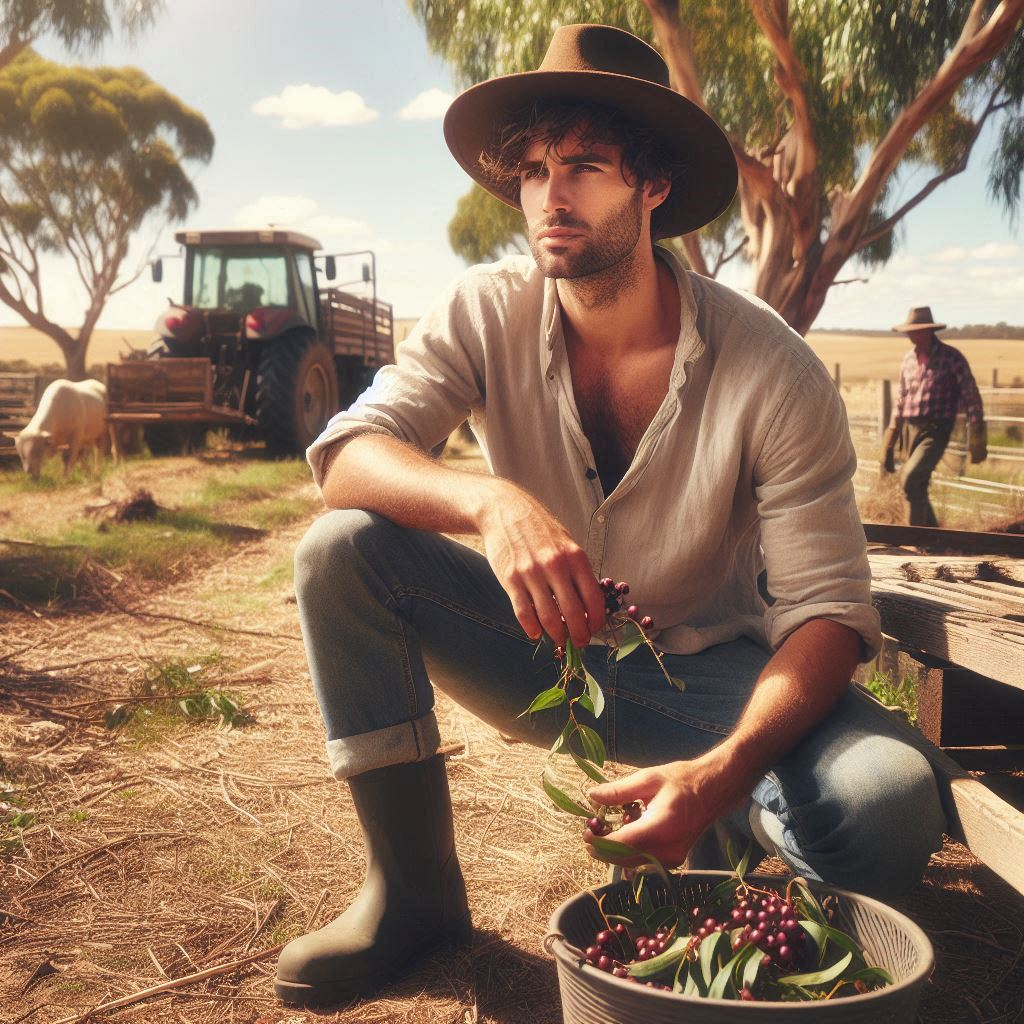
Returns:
(645, 157)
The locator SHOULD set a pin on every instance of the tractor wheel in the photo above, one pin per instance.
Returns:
(296, 393)
(174, 438)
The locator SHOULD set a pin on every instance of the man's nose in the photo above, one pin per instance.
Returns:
(556, 196)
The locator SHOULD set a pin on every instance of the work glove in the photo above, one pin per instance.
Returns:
(888, 450)
(977, 441)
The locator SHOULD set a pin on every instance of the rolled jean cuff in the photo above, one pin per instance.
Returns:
(397, 744)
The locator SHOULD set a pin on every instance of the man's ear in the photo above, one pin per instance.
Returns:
(656, 192)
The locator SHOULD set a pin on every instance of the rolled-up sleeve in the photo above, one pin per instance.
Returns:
(811, 534)
(433, 386)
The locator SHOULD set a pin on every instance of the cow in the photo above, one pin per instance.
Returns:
(71, 417)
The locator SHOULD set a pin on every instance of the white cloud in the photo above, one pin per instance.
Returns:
(303, 106)
(995, 251)
(428, 106)
(950, 254)
(301, 213)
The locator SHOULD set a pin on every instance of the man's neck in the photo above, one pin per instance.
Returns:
(631, 306)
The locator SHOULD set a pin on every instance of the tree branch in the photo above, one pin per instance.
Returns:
(695, 255)
(951, 172)
(978, 43)
(9, 52)
(676, 45)
(722, 260)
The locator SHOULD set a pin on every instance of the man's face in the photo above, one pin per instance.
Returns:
(920, 338)
(582, 216)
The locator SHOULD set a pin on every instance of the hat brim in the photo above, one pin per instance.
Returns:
(907, 328)
(700, 194)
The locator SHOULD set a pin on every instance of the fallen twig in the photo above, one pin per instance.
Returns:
(167, 986)
(201, 623)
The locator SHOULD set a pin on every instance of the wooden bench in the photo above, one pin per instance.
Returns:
(955, 622)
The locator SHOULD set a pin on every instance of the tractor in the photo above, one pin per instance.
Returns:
(255, 344)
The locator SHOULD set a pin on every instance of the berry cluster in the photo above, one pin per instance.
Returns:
(613, 949)
(770, 923)
(630, 813)
(764, 919)
(613, 595)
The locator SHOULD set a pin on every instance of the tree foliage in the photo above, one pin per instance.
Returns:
(484, 229)
(87, 157)
(75, 23)
(830, 105)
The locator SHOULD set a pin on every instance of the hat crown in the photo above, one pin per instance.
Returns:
(920, 315)
(605, 49)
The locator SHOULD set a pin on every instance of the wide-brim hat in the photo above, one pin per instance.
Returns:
(918, 319)
(608, 66)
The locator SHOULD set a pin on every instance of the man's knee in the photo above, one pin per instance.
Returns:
(326, 551)
(889, 821)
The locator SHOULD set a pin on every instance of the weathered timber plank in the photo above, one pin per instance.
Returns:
(930, 538)
(990, 827)
(906, 566)
(986, 644)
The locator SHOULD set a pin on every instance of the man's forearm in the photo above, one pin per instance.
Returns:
(381, 474)
(796, 689)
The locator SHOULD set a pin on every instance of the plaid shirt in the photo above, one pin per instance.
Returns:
(936, 387)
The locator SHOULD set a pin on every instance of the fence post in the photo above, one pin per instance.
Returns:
(884, 406)
(995, 377)
(836, 378)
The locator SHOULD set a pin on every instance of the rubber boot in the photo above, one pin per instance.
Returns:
(413, 899)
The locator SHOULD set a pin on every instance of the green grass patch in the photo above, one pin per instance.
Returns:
(902, 694)
(252, 482)
(281, 574)
(276, 512)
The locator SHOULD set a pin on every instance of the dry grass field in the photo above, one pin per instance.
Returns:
(861, 357)
(160, 851)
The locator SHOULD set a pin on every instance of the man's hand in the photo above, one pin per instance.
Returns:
(978, 441)
(678, 808)
(888, 451)
(545, 573)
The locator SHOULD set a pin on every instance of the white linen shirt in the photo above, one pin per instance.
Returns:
(746, 466)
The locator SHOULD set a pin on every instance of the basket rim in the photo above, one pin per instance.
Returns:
(556, 944)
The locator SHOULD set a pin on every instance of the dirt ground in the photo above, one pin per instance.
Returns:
(189, 850)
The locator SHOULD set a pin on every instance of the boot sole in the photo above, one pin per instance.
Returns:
(295, 993)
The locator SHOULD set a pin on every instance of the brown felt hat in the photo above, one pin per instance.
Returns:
(919, 319)
(609, 66)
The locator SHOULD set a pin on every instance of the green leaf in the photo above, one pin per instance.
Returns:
(706, 957)
(818, 977)
(596, 695)
(818, 935)
(566, 803)
(587, 768)
(562, 743)
(874, 976)
(751, 968)
(661, 916)
(692, 986)
(730, 851)
(677, 683)
(663, 961)
(723, 979)
(627, 647)
(811, 906)
(584, 701)
(593, 748)
(613, 848)
(545, 699)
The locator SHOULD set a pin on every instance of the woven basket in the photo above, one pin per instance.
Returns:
(590, 996)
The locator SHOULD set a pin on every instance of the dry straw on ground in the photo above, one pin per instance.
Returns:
(193, 852)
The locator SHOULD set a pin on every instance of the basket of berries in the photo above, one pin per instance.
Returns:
(710, 947)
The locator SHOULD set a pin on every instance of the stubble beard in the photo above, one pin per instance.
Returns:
(604, 267)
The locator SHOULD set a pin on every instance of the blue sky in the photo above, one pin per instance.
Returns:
(306, 102)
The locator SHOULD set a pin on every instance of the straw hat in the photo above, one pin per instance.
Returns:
(609, 66)
(919, 319)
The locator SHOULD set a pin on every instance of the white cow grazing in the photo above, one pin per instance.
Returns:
(71, 417)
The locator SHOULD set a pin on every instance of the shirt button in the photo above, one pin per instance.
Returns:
(600, 519)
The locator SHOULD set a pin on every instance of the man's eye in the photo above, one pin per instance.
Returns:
(533, 172)
(585, 167)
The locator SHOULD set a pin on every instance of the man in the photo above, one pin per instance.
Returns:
(639, 422)
(935, 380)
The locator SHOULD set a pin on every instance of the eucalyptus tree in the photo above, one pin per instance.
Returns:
(834, 108)
(88, 156)
(74, 22)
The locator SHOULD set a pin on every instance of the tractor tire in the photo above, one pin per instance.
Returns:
(296, 393)
(174, 438)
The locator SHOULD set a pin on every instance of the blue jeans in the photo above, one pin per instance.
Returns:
(386, 611)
